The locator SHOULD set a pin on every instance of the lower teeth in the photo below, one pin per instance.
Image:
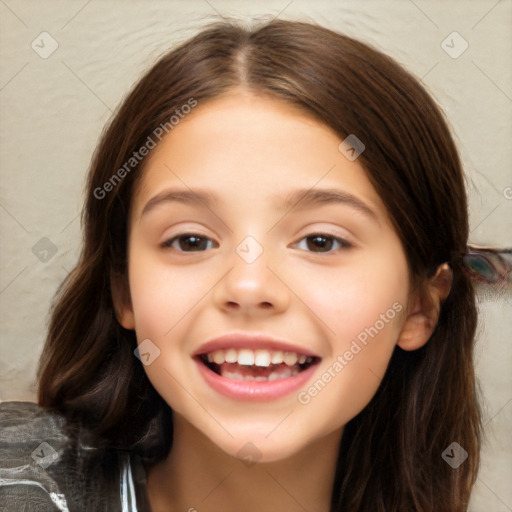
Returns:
(275, 375)
(236, 371)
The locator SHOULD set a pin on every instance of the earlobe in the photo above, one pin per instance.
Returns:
(424, 310)
(121, 300)
(126, 318)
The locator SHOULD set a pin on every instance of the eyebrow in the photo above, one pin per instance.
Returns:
(305, 198)
(297, 199)
(197, 197)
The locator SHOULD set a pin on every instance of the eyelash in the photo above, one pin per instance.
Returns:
(344, 244)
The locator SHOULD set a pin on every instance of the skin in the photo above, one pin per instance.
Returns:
(248, 148)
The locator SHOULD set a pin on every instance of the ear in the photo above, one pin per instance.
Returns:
(122, 301)
(425, 306)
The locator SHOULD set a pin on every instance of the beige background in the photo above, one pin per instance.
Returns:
(53, 110)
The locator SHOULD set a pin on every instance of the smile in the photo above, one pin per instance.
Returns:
(256, 365)
(255, 375)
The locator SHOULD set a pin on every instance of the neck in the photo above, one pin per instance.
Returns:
(198, 476)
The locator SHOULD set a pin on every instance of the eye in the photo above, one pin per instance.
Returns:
(324, 242)
(186, 241)
(194, 242)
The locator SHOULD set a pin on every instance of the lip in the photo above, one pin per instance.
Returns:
(254, 391)
(241, 340)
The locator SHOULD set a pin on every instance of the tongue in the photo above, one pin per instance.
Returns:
(255, 371)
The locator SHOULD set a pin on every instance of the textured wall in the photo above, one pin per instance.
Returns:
(54, 106)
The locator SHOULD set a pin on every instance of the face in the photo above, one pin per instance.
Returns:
(313, 288)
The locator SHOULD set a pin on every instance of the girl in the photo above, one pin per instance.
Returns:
(271, 310)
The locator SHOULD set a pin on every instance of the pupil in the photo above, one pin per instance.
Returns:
(196, 241)
(320, 241)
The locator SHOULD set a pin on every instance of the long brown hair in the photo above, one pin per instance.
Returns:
(390, 454)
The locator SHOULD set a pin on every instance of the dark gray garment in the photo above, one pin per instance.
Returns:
(47, 464)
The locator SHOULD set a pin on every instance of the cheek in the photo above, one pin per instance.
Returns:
(163, 294)
(348, 379)
(352, 299)
(164, 298)
(363, 310)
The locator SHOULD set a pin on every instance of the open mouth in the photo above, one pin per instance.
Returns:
(258, 365)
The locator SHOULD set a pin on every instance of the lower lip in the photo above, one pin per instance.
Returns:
(252, 390)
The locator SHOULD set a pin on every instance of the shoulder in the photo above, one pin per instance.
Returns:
(48, 463)
(31, 439)
(24, 426)
(21, 421)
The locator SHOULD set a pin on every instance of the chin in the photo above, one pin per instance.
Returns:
(258, 449)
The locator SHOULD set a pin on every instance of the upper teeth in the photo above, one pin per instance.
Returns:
(258, 357)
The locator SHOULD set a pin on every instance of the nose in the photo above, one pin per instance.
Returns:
(252, 288)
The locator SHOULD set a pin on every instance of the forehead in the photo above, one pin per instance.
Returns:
(250, 147)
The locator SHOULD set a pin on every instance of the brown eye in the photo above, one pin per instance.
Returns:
(188, 242)
(319, 242)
